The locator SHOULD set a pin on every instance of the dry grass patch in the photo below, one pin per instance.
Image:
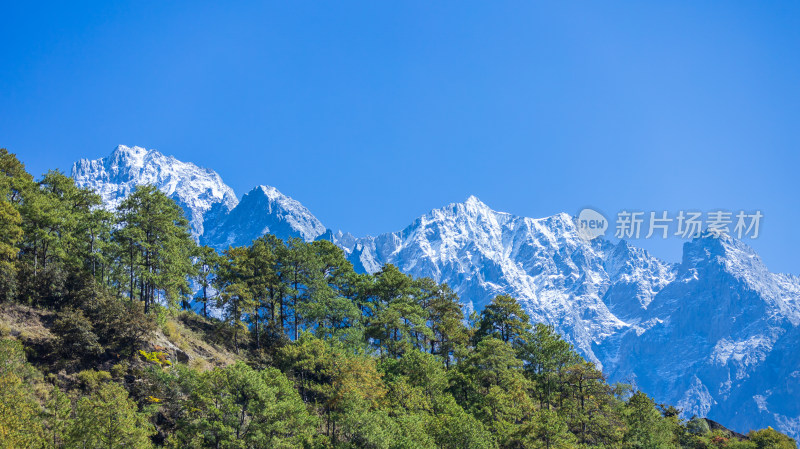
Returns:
(27, 324)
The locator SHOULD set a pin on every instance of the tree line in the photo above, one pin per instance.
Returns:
(324, 357)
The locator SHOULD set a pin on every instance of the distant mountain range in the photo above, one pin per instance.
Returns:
(717, 334)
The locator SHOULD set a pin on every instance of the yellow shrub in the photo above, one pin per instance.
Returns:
(156, 357)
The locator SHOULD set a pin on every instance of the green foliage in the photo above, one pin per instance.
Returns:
(20, 427)
(547, 357)
(730, 444)
(323, 299)
(448, 334)
(504, 319)
(61, 225)
(13, 361)
(13, 181)
(453, 428)
(697, 426)
(647, 428)
(10, 232)
(92, 380)
(589, 407)
(489, 384)
(76, 337)
(154, 246)
(241, 407)
(109, 419)
(546, 430)
(769, 438)
(206, 263)
(123, 324)
(57, 419)
(347, 389)
(392, 314)
(237, 295)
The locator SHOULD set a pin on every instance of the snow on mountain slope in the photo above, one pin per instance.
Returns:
(199, 191)
(261, 211)
(560, 278)
(721, 329)
(637, 276)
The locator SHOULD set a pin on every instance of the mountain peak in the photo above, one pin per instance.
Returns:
(473, 200)
(197, 190)
(471, 207)
(474, 203)
(271, 192)
(719, 249)
(274, 195)
(132, 151)
(124, 149)
(134, 157)
(262, 210)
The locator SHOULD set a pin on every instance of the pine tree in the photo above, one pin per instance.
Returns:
(109, 419)
(769, 438)
(20, 427)
(647, 429)
(545, 430)
(155, 246)
(14, 180)
(547, 357)
(206, 263)
(76, 337)
(489, 384)
(330, 307)
(445, 319)
(297, 266)
(57, 419)
(238, 406)
(503, 318)
(395, 317)
(267, 287)
(236, 298)
(589, 407)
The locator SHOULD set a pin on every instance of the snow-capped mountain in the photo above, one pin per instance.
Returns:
(723, 342)
(264, 210)
(199, 191)
(215, 215)
(559, 277)
(716, 334)
(591, 291)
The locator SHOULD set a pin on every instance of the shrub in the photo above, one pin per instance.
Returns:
(157, 357)
(76, 337)
(91, 379)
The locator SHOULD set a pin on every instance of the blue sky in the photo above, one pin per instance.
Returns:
(373, 113)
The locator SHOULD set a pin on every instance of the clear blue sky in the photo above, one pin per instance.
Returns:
(372, 113)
